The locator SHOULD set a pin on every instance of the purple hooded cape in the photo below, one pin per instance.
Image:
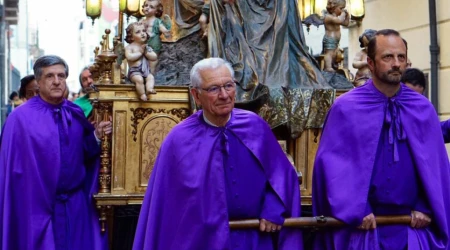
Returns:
(49, 162)
(345, 160)
(185, 205)
(445, 126)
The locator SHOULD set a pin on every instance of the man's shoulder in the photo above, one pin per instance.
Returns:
(242, 113)
(415, 101)
(22, 112)
(186, 125)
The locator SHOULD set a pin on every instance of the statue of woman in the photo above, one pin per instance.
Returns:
(264, 41)
(360, 61)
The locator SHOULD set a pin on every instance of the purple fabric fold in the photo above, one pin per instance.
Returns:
(49, 163)
(345, 160)
(185, 206)
(445, 126)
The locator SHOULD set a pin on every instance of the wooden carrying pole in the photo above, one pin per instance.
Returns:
(319, 221)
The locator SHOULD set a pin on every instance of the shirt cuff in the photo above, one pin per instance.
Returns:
(98, 140)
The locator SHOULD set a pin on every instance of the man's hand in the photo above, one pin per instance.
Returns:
(203, 25)
(103, 127)
(419, 219)
(267, 226)
(368, 222)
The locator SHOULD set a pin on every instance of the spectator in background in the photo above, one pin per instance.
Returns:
(416, 80)
(73, 96)
(14, 102)
(28, 88)
(85, 81)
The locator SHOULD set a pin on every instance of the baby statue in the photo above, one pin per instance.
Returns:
(336, 16)
(153, 10)
(360, 61)
(139, 57)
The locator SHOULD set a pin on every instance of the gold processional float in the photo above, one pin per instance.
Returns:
(139, 128)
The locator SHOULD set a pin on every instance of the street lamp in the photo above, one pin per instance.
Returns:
(93, 9)
(309, 7)
(140, 14)
(357, 10)
(129, 7)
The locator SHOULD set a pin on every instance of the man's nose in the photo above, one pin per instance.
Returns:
(223, 93)
(396, 63)
(57, 80)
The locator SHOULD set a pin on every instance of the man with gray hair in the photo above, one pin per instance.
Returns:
(219, 164)
(85, 82)
(49, 160)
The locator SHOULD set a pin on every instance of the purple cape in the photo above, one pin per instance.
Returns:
(48, 173)
(185, 204)
(445, 126)
(345, 160)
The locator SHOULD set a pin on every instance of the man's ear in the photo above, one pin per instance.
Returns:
(371, 64)
(195, 93)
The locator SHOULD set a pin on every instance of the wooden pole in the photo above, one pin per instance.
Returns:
(319, 221)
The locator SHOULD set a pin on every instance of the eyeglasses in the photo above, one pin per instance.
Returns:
(215, 89)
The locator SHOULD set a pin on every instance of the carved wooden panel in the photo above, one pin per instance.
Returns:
(120, 146)
(305, 148)
(152, 135)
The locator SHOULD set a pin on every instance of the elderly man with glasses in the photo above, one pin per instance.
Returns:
(220, 164)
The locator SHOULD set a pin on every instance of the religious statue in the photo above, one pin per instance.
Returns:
(153, 10)
(360, 61)
(336, 16)
(139, 57)
(277, 77)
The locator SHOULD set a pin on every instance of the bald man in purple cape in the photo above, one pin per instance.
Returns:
(382, 153)
(49, 161)
(219, 164)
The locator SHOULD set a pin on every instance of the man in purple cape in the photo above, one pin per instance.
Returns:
(382, 153)
(445, 126)
(219, 164)
(49, 160)
(416, 80)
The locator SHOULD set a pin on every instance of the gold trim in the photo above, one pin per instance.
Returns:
(141, 113)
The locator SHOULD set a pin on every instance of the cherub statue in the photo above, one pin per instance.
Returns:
(153, 10)
(139, 57)
(336, 16)
(360, 61)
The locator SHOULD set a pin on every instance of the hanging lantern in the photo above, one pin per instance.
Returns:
(140, 14)
(93, 9)
(357, 10)
(132, 7)
(122, 5)
(306, 8)
(319, 6)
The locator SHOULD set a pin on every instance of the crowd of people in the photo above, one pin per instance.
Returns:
(382, 153)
